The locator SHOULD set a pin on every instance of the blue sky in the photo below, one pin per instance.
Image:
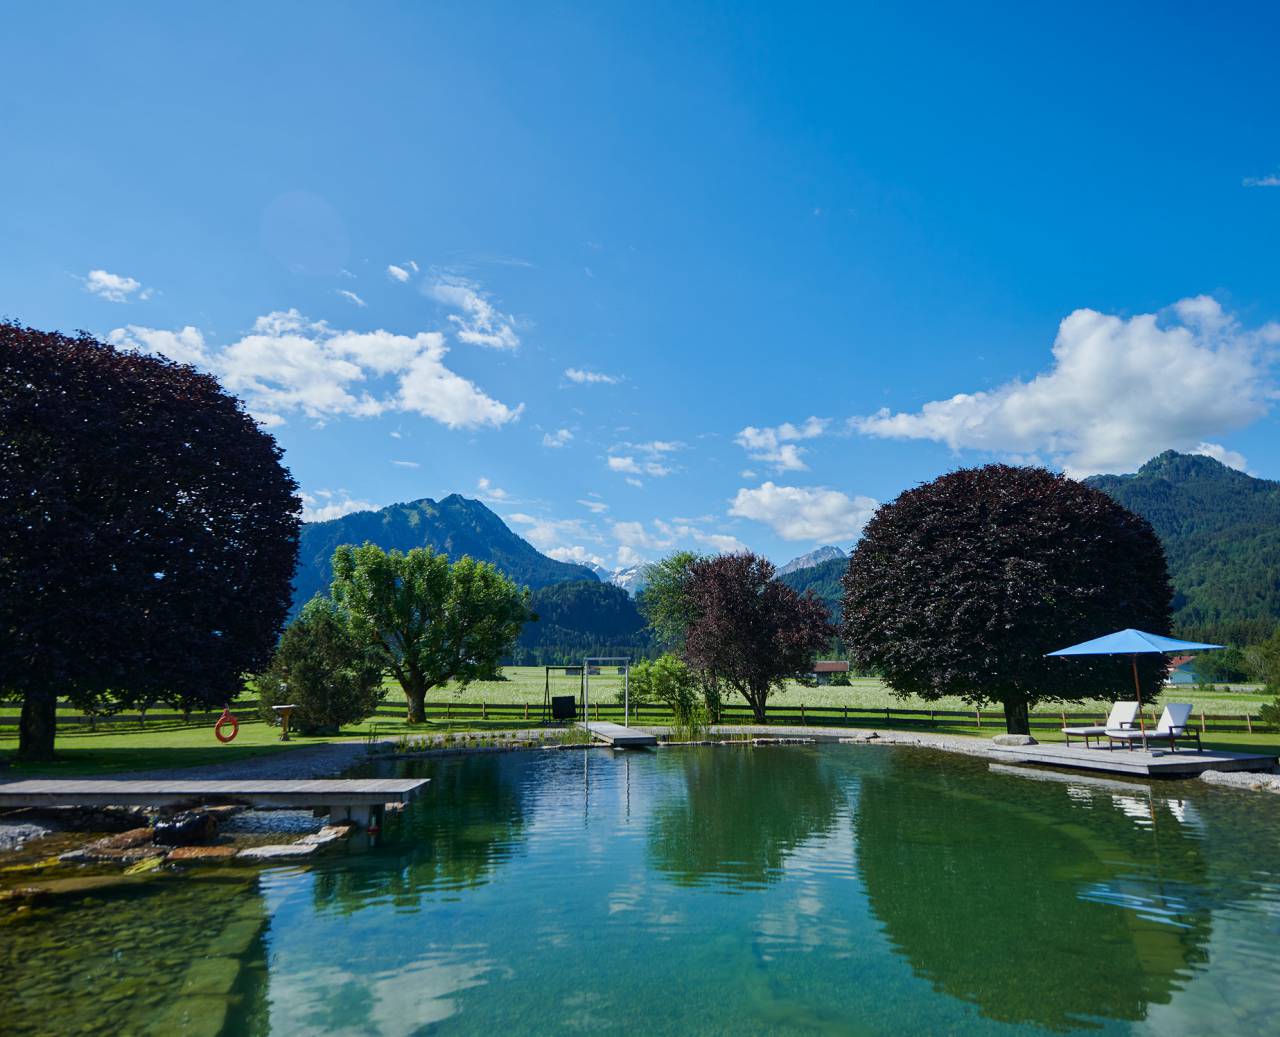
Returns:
(654, 275)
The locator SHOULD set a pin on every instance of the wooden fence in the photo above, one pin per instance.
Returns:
(648, 713)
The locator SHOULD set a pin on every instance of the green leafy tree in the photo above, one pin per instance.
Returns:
(148, 533)
(668, 680)
(750, 632)
(664, 603)
(960, 587)
(321, 668)
(428, 620)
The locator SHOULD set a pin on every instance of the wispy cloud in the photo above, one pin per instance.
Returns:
(555, 440)
(323, 505)
(479, 322)
(596, 507)
(351, 297)
(1270, 180)
(778, 446)
(398, 273)
(488, 492)
(115, 287)
(406, 464)
(579, 376)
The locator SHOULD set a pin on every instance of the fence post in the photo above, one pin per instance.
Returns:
(526, 711)
(933, 720)
(801, 712)
(484, 714)
(846, 715)
(1202, 725)
(979, 712)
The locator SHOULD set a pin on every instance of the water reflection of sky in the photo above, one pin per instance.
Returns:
(872, 890)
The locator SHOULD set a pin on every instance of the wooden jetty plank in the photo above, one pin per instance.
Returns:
(349, 792)
(1156, 763)
(617, 735)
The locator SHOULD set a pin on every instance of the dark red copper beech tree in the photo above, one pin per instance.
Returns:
(148, 532)
(747, 630)
(960, 587)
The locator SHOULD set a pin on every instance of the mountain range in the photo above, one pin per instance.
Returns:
(1221, 533)
(1220, 528)
(455, 526)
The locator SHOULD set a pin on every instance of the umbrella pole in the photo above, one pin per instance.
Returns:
(1137, 687)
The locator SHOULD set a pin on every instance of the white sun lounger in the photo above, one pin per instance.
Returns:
(1123, 716)
(1172, 726)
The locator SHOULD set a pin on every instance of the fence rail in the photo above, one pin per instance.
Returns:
(802, 715)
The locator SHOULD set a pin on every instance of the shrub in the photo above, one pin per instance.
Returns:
(321, 668)
(840, 680)
(1269, 713)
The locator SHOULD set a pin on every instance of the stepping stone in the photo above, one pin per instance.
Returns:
(201, 854)
(278, 852)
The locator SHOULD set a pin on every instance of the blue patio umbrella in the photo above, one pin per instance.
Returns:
(1134, 643)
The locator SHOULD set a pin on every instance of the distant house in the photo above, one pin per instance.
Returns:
(823, 670)
(1181, 672)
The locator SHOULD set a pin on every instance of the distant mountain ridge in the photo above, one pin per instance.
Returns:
(455, 526)
(815, 557)
(1221, 533)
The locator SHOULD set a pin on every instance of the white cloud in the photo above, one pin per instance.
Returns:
(596, 507)
(487, 491)
(479, 323)
(1230, 458)
(114, 287)
(805, 513)
(406, 464)
(666, 535)
(548, 534)
(397, 273)
(323, 505)
(351, 297)
(576, 553)
(289, 364)
(1118, 392)
(557, 439)
(1270, 180)
(628, 557)
(579, 376)
(623, 464)
(185, 347)
(777, 446)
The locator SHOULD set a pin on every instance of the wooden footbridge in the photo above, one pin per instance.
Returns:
(618, 736)
(350, 797)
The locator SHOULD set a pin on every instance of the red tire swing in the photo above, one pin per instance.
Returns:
(226, 720)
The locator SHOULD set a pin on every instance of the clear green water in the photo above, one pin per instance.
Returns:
(834, 889)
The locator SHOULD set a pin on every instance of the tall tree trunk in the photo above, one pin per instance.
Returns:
(415, 694)
(1017, 720)
(37, 726)
(757, 701)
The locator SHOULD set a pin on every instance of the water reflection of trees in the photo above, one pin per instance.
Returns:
(1038, 902)
(470, 821)
(739, 812)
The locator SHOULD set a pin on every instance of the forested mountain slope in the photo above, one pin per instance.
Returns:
(1221, 533)
(456, 526)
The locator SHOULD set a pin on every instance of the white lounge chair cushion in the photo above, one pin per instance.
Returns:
(1122, 713)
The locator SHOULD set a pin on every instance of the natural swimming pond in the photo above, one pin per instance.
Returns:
(797, 889)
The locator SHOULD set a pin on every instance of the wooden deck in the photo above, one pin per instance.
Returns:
(618, 736)
(279, 795)
(1154, 763)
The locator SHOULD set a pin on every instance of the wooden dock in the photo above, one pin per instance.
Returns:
(1151, 763)
(618, 736)
(351, 794)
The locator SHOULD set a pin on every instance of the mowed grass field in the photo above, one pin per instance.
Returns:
(126, 746)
